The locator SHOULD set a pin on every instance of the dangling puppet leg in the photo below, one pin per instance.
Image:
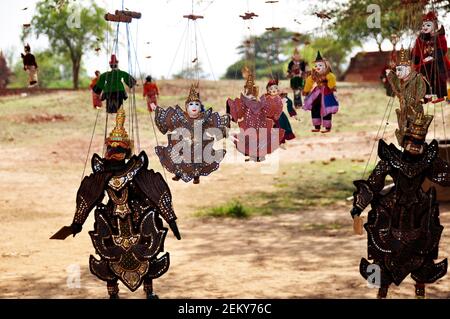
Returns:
(327, 123)
(420, 290)
(148, 288)
(315, 115)
(298, 98)
(382, 292)
(113, 289)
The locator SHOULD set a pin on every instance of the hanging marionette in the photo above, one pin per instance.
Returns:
(275, 100)
(190, 153)
(128, 232)
(430, 56)
(403, 227)
(151, 93)
(410, 87)
(320, 99)
(297, 74)
(96, 98)
(30, 66)
(110, 85)
(283, 121)
(256, 120)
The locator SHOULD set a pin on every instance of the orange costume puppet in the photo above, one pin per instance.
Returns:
(151, 93)
(96, 98)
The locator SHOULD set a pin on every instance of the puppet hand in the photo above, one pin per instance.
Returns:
(355, 211)
(428, 59)
(76, 228)
(388, 71)
(173, 226)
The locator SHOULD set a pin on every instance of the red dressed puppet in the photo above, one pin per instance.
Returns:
(430, 56)
(256, 119)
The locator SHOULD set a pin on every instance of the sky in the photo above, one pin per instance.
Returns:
(163, 26)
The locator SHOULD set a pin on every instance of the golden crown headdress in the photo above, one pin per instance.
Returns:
(194, 95)
(403, 57)
(418, 126)
(250, 87)
(119, 136)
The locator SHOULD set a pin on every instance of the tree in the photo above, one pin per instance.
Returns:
(265, 54)
(51, 70)
(72, 30)
(5, 72)
(357, 21)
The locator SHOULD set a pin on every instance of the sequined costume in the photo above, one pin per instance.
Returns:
(410, 93)
(430, 58)
(257, 136)
(403, 227)
(189, 153)
(128, 232)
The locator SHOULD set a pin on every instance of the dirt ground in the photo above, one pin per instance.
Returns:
(308, 254)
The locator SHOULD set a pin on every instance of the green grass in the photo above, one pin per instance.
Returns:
(234, 209)
(297, 187)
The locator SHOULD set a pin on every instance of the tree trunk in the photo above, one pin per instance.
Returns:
(76, 64)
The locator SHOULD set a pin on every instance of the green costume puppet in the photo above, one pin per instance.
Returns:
(110, 84)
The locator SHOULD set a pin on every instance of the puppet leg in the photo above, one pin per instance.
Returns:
(420, 290)
(113, 289)
(315, 114)
(148, 288)
(327, 123)
(382, 292)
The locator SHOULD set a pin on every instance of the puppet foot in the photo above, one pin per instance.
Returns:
(196, 180)
(176, 178)
(382, 292)
(420, 290)
(148, 288)
(316, 129)
(113, 289)
(283, 146)
(326, 130)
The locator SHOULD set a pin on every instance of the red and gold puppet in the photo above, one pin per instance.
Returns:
(256, 120)
(430, 56)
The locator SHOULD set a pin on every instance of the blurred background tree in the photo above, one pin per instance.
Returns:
(72, 29)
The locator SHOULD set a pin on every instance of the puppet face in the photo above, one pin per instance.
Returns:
(427, 27)
(273, 90)
(193, 109)
(320, 67)
(413, 146)
(296, 57)
(402, 71)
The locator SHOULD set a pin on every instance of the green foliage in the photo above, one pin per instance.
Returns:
(54, 72)
(266, 55)
(67, 38)
(233, 209)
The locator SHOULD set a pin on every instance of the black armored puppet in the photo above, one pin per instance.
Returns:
(129, 201)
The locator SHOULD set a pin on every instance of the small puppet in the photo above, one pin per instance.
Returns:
(110, 85)
(151, 93)
(320, 99)
(429, 56)
(30, 66)
(297, 74)
(283, 122)
(96, 98)
(410, 87)
(256, 120)
(192, 132)
(128, 232)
